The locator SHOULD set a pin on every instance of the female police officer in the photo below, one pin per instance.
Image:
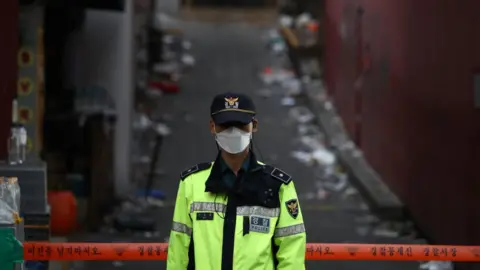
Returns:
(236, 212)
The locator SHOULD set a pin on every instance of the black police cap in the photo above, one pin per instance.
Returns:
(232, 108)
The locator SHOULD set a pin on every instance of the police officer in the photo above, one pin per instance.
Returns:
(236, 212)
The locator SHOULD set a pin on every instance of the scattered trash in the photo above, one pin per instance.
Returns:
(285, 21)
(303, 19)
(322, 194)
(275, 75)
(336, 182)
(288, 101)
(436, 265)
(276, 42)
(188, 60)
(292, 86)
(328, 106)
(367, 219)
(330, 182)
(273, 35)
(356, 153)
(304, 157)
(309, 130)
(347, 146)
(141, 121)
(168, 39)
(278, 47)
(167, 67)
(349, 192)
(312, 143)
(308, 27)
(324, 172)
(156, 202)
(306, 79)
(302, 114)
(169, 87)
(118, 263)
(385, 230)
(310, 68)
(153, 92)
(162, 129)
(154, 234)
(324, 157)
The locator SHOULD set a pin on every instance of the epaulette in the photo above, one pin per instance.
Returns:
(194, 169)
(278, 174)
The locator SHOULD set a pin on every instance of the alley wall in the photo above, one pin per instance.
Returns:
(9, 13)
(406, 70)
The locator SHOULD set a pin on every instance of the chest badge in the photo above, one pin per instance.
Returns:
(259, 224)
(292, 207)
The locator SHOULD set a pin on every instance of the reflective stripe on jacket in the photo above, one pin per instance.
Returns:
(261, 233)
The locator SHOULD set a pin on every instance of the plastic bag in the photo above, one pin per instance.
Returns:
(9, 201)
(301, 114)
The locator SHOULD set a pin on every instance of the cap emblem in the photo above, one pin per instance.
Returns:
(231, 103)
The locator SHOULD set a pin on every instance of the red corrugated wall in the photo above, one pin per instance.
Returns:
(8, 68)
(419, 127)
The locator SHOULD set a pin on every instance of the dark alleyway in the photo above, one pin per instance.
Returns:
(229, 57)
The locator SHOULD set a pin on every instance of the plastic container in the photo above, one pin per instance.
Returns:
(63, 212)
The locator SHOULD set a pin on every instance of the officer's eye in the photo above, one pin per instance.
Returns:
(235, 124)
(245, 128)
(220, 128)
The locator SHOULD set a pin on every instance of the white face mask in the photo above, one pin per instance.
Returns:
(233, 140)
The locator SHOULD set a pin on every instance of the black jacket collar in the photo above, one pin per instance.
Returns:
(214, 182)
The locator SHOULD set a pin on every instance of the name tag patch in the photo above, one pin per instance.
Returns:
(259, 224)
(204, 216)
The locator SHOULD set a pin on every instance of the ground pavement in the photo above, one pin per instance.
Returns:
(229, 56)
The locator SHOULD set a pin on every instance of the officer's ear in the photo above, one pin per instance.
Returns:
(255, 125)
(212, 126)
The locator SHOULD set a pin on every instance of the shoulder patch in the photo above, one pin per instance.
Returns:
(194, 169)
(278, 174)
(292, 207)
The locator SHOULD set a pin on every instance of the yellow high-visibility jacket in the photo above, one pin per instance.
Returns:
(256, 225)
